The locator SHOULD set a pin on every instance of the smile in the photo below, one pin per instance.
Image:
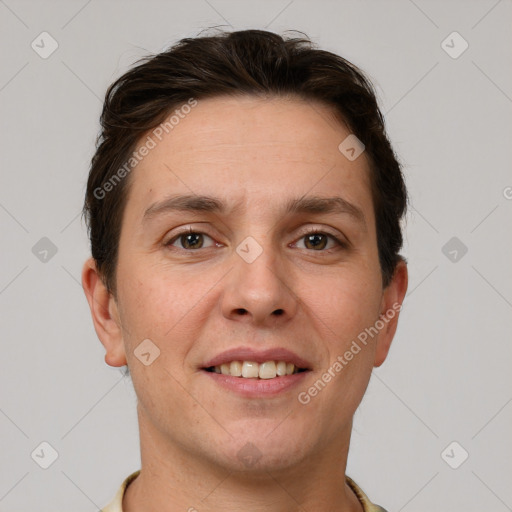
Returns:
(254, 370)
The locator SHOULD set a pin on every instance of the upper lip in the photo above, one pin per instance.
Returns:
(258, 356)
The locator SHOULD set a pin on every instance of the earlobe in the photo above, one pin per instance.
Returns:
(392, 300)
(104, 314)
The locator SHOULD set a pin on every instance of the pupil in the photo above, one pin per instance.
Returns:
(316, 241)
(192, 240)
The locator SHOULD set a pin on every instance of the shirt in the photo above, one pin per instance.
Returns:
(116, 505)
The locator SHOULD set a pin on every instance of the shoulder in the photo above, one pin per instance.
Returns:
(368, 506)
(116, 505)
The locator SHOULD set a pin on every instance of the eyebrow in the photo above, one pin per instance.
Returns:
(209, 204)
(336, 205)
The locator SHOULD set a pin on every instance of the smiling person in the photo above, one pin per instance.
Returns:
(244, 209)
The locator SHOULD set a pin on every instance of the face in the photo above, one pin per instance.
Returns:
(271, 256)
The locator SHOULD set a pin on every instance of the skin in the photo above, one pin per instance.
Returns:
(196, 303)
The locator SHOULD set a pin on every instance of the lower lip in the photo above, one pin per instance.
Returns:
(254, 388)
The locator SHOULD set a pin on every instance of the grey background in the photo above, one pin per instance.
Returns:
(448, 376)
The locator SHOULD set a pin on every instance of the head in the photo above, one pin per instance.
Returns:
(284, 240)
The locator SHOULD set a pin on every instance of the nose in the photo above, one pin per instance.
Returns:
(259, 292)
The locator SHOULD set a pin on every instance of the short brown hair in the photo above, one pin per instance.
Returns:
(251, 62)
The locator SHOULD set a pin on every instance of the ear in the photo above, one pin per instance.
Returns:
(105, 315)
(392, 298)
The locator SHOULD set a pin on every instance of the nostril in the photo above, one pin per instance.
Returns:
(278, 312)
(241, 311)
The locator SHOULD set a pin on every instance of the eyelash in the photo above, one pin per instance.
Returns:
(310, 231)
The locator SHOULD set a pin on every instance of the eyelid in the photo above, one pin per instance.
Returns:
(338, 237)
(334, 234)
(185, 231)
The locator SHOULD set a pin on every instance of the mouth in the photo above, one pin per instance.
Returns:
(252, 373)
(253, 370)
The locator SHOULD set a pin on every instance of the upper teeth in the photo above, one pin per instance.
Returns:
(251, 369)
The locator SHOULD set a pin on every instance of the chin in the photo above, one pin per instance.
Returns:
(271, 447)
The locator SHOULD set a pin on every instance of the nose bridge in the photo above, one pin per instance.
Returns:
(258, 287)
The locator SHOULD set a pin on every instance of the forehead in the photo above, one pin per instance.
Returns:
(252, 150)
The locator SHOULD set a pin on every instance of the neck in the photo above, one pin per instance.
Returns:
(173, 479)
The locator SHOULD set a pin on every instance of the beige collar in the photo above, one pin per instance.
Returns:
(116, 505)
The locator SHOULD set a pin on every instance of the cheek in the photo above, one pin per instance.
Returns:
(346, 301)
(146, 306)
(351, 306)
(162, 306)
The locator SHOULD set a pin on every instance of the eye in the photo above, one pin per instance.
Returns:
(190, 240)
(318, 241)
